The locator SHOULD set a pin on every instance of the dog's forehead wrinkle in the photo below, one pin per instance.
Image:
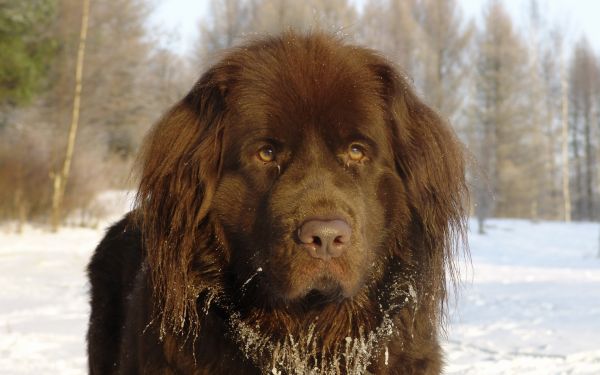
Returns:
(296, 118)
(336, 89)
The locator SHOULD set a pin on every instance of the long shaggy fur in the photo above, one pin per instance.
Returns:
(193, 280)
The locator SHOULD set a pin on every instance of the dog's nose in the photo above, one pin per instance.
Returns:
(325, 239)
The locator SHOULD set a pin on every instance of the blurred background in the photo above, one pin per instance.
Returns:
(81, 82)
(520, 82)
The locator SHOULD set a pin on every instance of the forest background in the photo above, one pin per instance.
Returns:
(524, 99)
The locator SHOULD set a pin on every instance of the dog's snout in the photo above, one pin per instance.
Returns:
(325, 239)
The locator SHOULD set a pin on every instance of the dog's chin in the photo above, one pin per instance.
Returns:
(322, 291)
(320, 297)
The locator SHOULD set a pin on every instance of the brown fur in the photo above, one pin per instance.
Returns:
(222, 286)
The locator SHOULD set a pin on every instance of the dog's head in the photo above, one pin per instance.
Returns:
(298, 170)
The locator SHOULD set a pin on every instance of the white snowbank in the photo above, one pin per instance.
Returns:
(533, 306)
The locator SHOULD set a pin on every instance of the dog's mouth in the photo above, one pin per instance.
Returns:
(290, 274)
(319, 283)
(332, 293)
(294, 270)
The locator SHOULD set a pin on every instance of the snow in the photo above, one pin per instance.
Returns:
(44, 295)
(530, 304)
(43, 301)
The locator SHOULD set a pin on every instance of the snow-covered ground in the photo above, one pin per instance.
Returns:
(44, 295)
(531, 304)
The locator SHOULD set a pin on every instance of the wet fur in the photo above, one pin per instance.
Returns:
(202, 277)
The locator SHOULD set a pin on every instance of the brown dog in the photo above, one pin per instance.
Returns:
(298, 213)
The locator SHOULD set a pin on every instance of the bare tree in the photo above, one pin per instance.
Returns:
(226, 22)
(391, 26)
(275, 16)
(171, 78)
(584, 91)
(61, 178)
(334, 15)
(232, 20)
(499, 117)
(445, 44)
(564, 105)
(540, 163)
(111, 106)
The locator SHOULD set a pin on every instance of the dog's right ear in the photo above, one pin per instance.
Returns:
(180, 164)
(430, 161)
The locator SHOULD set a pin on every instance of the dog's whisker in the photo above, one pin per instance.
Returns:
(258, 270)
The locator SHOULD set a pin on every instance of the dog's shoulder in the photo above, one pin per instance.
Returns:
(120, 251)
(112, 273)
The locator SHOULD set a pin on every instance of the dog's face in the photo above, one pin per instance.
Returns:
(301, 170)
(308, 177)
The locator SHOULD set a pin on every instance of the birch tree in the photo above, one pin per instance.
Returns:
(61, 178)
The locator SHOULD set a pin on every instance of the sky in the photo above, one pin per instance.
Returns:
(177, 20)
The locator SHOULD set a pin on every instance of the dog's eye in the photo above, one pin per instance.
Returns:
(266, 154)
(356, 152)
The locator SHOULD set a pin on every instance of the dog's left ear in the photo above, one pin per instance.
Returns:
(180, 164)
(430, 160)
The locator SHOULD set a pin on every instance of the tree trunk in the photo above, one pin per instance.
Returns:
(579, 214)
(589, 168)
(60, 179)
(21, 210)
(566, 193)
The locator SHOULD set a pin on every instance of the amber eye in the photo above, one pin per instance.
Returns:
(355, 152)
(266, 154)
